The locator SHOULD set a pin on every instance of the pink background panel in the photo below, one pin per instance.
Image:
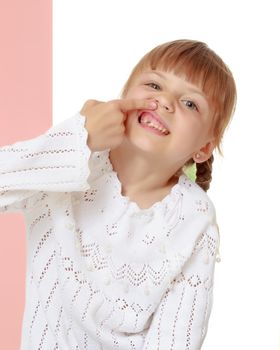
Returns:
(25, 112)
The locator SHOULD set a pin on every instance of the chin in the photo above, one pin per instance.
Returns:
(142, 139)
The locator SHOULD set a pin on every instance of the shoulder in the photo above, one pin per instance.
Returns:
(196, 201)
(196, 222)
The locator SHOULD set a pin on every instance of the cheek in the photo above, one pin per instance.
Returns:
(191, 132)
(137, 93)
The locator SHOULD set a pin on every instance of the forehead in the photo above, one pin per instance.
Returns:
(186, 66)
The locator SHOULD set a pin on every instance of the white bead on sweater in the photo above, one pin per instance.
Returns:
(103, 273)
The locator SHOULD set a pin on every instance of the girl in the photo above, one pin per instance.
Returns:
(121, 243)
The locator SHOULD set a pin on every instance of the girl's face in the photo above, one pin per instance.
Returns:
(183, 114)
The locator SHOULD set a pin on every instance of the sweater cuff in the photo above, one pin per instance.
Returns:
(55, 161)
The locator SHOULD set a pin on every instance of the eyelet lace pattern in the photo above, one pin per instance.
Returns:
(103, 273)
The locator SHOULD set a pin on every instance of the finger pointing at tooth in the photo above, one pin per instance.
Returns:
(105, 120)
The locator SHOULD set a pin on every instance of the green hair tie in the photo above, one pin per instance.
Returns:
(190, 171)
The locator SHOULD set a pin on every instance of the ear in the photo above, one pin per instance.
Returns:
(205, 152)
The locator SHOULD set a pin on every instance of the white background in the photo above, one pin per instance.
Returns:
(97, 43)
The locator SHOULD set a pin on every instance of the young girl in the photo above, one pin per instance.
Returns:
(121, 243)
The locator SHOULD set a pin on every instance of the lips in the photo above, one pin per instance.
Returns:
(153, 117)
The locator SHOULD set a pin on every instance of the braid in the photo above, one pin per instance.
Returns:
(204, 173)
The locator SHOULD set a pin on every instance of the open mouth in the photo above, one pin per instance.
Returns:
(147, 120)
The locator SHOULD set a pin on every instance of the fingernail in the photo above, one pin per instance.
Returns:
(152, 105)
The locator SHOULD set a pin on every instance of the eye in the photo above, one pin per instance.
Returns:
(190, 104)
(154, 86)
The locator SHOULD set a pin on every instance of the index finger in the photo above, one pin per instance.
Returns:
(131, 104)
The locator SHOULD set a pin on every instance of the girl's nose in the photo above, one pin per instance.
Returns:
(165, 103)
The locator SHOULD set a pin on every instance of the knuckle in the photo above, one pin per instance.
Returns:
(89, 102)
(92, 103)
(112, 105)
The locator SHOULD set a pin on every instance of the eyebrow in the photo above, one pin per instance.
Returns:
(189, 88)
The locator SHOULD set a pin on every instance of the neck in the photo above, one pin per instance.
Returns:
(139, 173)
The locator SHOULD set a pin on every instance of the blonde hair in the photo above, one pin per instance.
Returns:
(203, 67)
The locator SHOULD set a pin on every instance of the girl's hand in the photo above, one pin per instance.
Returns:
(105, 121)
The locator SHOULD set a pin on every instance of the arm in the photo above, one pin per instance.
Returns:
(58, 160)
(55, 161)
(181, 319)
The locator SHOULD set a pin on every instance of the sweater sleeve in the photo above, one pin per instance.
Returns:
(55, 161)
(181, 319)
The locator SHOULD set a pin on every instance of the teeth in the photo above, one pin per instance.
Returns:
(145, 120)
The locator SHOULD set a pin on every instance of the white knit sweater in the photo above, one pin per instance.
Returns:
(103, 273)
